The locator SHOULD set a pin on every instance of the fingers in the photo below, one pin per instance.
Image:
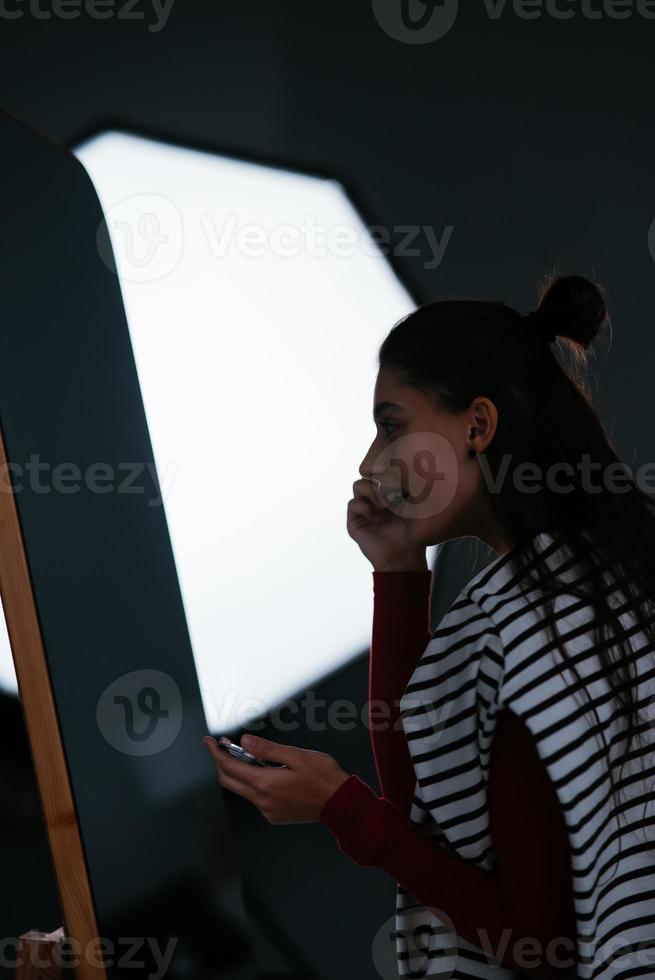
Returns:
(367, 506)
(265, 748)
(234, 774)
(362, 513)
(367, 489)
(236, 786)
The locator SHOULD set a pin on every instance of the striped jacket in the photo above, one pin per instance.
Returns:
(489, 651)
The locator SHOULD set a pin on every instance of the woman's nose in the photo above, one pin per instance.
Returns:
(366, 467)
(367, 473)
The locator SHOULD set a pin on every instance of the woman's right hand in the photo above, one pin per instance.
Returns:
(381, 535)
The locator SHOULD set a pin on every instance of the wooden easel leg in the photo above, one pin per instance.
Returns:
(39, 955)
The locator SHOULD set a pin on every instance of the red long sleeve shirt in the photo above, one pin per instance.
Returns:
(529, 892)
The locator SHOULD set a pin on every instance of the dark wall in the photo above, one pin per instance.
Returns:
(532, 139)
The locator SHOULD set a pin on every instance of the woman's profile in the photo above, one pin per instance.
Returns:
(515, 757)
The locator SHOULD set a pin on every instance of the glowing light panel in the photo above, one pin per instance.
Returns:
(256, 301)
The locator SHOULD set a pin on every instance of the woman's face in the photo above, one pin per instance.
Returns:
(421, 453)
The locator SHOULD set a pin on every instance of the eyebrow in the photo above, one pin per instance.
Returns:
(383, 406)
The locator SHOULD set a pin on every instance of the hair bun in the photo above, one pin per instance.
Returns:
(574, 307)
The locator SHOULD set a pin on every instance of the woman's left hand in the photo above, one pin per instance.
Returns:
(292, 795)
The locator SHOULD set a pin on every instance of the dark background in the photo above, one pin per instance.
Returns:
(534, 139)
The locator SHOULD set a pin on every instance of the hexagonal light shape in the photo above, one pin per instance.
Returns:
(256, 299)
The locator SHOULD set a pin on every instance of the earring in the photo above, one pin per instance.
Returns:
(472, 452)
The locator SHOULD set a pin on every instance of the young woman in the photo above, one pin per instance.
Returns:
(515, 757)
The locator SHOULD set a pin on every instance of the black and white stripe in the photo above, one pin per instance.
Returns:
(491, 650)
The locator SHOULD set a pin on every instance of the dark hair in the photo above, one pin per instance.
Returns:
(457, 350)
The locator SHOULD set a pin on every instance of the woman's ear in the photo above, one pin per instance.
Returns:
(484, 421)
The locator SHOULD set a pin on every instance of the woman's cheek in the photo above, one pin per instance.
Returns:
(427, 467)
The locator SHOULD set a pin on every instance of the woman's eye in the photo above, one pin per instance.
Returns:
(387, 425)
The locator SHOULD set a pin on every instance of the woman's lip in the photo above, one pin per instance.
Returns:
(381, 489)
